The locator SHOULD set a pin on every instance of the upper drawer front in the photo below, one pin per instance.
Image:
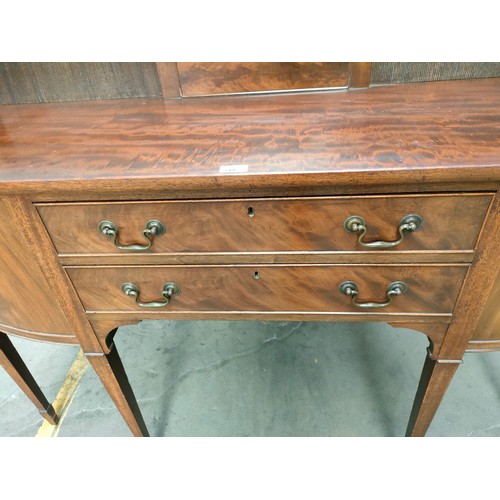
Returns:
(269, 288)
(450, 222)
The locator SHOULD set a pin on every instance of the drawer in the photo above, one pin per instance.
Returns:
(431, 289)
(450, 222)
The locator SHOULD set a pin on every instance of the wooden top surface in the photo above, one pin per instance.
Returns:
(399, 132)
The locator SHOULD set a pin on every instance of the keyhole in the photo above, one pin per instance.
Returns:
(256, 275)
(251, 213)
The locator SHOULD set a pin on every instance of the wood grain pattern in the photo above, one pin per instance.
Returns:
(169, 79)
(209, 78)
(451, 223)
(110, 370)
(75, 81)
(378, 136)
(38, 82)
(434, 381)
(359, 75)
(431, 138)
(476, 290)
(440, 367)
(26, 302)
(432, 289)
(488, 327)
(32, 232)
(105, 361)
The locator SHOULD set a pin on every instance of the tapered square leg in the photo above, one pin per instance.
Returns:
(435, 379)
(110, 370)
(13, 364)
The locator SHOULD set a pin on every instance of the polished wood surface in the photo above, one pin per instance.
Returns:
(451, 223)
(26, 304)
(109, 368)
(38, 245)
(168, 75)
(488, 328)
(386, 152)
(431, 289)
(378, 136)
(221, 78)
(435, 379)
(359, 75)
(444, 359)
(477, 288)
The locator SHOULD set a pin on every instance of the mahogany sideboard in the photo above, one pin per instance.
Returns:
(378, 204)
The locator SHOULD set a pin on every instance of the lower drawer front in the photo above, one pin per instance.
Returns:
(431, 289)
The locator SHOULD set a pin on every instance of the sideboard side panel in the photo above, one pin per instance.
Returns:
(489, 321)
(25, 303)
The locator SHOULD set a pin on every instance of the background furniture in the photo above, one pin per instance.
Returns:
(51, 82)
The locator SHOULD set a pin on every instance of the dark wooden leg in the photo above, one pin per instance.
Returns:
(15, 367)
(110, 370)
(435, 379)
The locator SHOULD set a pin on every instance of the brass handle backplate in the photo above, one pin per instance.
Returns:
(153, 229)
(169, 289)
(351, 289)
(356, 224)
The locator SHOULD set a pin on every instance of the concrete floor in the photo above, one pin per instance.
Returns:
(259, 379)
